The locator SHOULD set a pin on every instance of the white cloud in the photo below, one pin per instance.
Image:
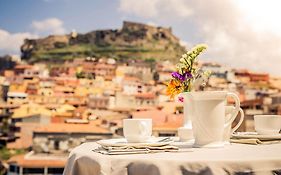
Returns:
(235, 41)
(48, 26)
(240, 33)
(155, 8)
(144, 8)
(10, 42)
(262, 14)
(152, 23)
(185, 44)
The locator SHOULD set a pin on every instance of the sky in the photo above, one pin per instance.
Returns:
(243, 34)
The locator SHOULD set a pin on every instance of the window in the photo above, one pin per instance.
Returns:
(54, 171)
(56, 144)
(33, 170)
(14, 169)
(167, 134)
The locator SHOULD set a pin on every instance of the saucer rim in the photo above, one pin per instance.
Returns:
(114, 142)
(255, 135)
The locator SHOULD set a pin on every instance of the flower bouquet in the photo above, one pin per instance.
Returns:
(188, 76)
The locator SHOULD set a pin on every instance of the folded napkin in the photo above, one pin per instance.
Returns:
(254, 138)
(253, 141)
(110, 150)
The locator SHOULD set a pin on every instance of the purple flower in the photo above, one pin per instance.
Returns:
(178, 76)
(181, 77)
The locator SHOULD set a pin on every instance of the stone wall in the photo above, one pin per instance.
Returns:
(62, 142)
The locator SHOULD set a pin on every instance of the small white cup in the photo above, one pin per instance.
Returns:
(267, 124)
(137, 130)
(185, 134)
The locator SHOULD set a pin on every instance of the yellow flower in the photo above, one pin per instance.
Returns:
(174, 87)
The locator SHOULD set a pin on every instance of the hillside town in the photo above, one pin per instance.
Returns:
(47, 110)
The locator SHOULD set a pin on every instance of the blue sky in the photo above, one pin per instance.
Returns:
(239, 33)
(85, 15)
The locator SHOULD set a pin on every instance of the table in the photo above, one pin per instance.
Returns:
(232, 159)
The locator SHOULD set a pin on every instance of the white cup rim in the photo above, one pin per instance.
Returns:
(209, 92)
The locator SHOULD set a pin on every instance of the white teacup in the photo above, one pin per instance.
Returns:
(228, 130)
(267, 124)
(137, 130)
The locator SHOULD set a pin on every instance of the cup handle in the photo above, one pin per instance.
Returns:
(236, 110)
(143, 128)
(240, 121)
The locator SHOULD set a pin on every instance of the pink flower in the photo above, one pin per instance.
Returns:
(181, 99)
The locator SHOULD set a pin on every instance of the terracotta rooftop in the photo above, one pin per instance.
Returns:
(23, 66)
(22, 161)
(8, 106)
(63, 89)
(72, 128)
(135, 79)
(145, 95)
(161, 118)
(172, 123)
(104, 66)
(76, 102)
(157, 116)
(80, 109)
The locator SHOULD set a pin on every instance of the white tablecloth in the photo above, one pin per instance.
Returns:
(232, 159)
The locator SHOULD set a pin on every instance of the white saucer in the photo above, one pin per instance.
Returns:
(154, 141)
(254, 135)
(183, 144)
(210, 145)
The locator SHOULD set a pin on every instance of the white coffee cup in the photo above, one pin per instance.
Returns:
(267, 124)
(137, 130)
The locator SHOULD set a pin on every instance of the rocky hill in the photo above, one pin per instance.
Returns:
(133, 40)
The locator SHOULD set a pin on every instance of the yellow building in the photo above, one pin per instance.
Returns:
(18, 87)
(64, 110)
(17, 98)
(30, 109)
(81, 91)
(46, 92)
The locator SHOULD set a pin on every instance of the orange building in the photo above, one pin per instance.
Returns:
(31, 164)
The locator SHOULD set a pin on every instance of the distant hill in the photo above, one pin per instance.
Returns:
(133, 40)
